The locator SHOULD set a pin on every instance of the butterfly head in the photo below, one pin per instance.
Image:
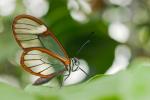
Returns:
(74, 64)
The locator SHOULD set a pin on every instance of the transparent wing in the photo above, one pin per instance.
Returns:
(41, 64)
(31, 32)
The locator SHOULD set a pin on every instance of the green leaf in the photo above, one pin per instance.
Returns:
(11, 93)
(96, 77)
(131, 84)
(140, 62)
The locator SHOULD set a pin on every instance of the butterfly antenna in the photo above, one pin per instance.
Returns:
(84, 71)
(85, 43)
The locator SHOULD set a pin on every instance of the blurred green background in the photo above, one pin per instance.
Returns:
(72, 21)
(121, 27)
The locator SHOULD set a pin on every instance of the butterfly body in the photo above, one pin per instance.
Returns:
(43, 55)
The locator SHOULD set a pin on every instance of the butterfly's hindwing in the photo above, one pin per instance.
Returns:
(40, 63)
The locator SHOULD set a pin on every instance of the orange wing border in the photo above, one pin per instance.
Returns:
(25, 67)
(66, 61)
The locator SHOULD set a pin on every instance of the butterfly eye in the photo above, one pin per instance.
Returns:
(77, 63)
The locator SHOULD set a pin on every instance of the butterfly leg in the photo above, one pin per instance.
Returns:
(42, 80)
(67, 76)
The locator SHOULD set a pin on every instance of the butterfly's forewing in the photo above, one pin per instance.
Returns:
(33, 37)
(31, 32)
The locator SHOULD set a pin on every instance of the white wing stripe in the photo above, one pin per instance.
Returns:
(37, 30)
(27, 31)
(48, 71)
(33, 63)
(35, 52)
(32, 57)
(40, 68)
(28, 21)
(32, 43)
(24, 26)
(26, 37)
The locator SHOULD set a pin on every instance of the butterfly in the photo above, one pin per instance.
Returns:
(43, 55)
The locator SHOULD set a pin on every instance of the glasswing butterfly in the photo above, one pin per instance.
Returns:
(43, 55)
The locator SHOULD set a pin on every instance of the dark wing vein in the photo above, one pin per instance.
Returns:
(29, 39)
(45, 69)
(27, 24)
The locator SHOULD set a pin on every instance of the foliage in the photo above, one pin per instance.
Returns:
(131, 84)
(99, 53)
